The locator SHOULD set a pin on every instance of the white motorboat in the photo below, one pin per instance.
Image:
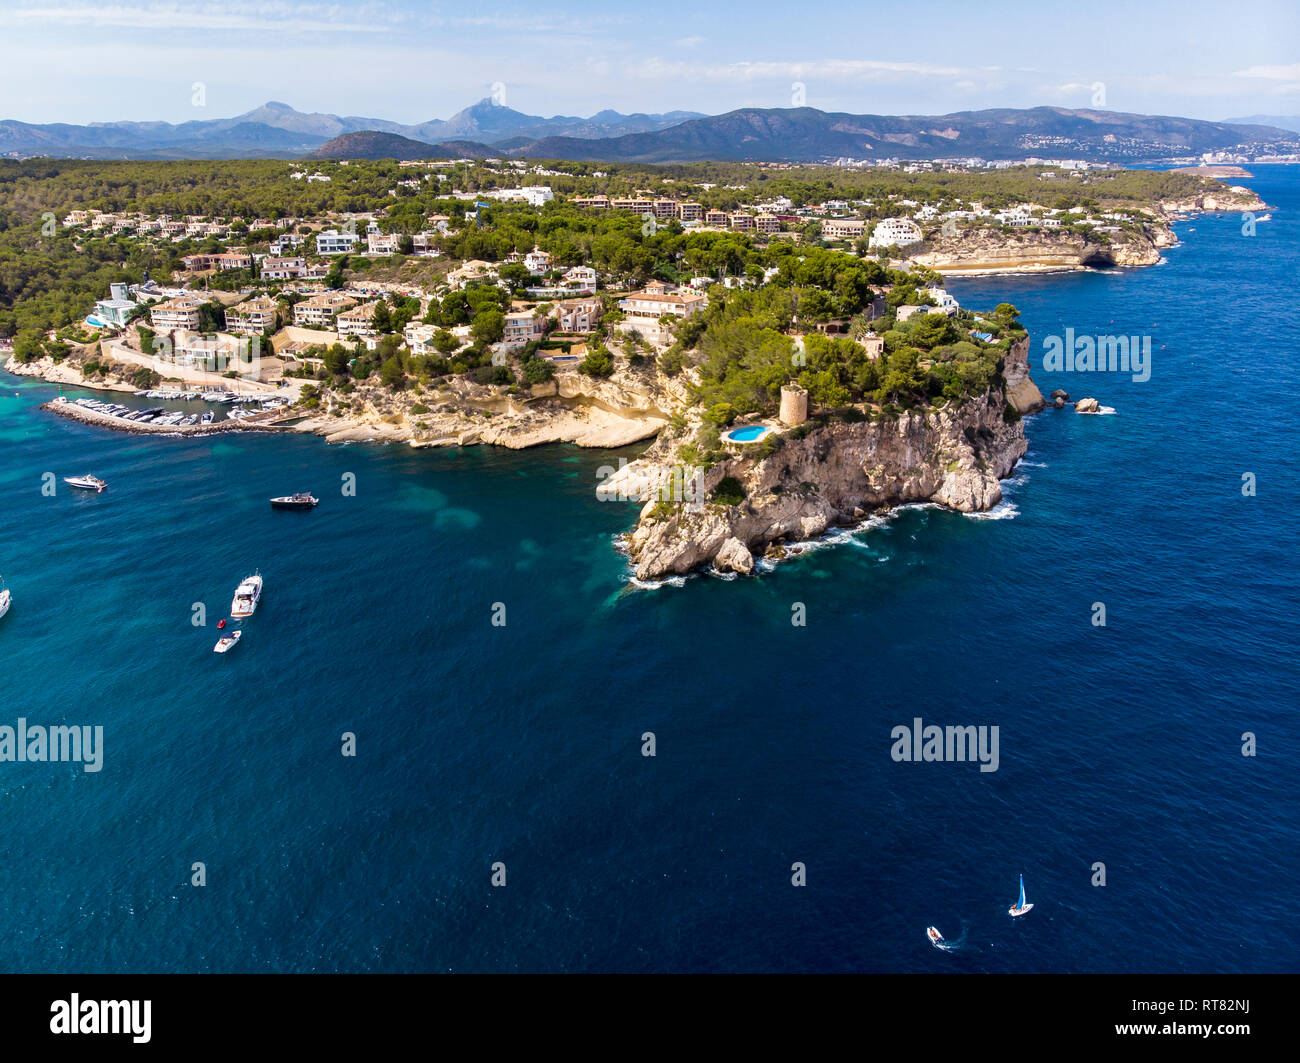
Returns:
(247, 595)
(86, 483)
(227, 642)
(6, 599)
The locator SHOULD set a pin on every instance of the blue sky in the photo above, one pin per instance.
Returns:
(101, 60)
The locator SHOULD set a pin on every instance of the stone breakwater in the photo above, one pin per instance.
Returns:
(73, 412)
(834, 475)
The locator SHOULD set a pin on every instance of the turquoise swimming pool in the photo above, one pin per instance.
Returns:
(748, 434)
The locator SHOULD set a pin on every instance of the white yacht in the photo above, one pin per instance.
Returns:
(88, 483)
(247, 595)
(5, 599)
(227, 642)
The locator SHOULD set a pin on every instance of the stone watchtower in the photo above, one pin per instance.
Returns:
(794, 405)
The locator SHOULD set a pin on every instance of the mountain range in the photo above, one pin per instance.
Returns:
(276, 130)
(799, 134)
(1290, 122)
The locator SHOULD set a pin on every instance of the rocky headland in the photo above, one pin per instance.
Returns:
(834, 474)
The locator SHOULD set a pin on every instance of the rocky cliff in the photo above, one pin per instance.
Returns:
(988, 251)
(832, 475)
(628, 407)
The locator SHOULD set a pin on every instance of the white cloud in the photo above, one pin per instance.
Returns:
(229, 15)
(1271, 73)
(655, 68)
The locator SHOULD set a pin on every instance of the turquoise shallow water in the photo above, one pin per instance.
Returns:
(522, 743)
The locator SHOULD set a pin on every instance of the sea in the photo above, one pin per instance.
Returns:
(431, 750)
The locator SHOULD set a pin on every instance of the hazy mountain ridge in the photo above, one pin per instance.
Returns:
(1290, 122)
(801, 134)
(374, 144)
(298, 132)
(804, 134)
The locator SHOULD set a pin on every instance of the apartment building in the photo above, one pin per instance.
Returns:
(689, 211)
(716, 218)
(319, 310)
(381, 243)
(357, 321)
(220, 261)
(580, 278)
(285, 242)
(333, 242)
(281, 269)
(767, 223)
(578, 315)
(179, 313)
(522, 327)
(252, 317)
(843, 228)
(651, 305)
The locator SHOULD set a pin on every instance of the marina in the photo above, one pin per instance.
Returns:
(244, 416)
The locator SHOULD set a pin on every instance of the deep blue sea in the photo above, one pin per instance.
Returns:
(521, 744)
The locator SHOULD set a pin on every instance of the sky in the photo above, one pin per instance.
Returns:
(81, 61)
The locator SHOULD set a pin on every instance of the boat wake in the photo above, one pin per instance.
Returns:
(952, 946)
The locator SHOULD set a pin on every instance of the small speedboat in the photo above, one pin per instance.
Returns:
(1020, 907)
(6, 599)
(227, 642)
(86, 483)
(933, 934)
(206, 418)
(302, 500)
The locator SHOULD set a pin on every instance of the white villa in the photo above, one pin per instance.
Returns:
(894, 232)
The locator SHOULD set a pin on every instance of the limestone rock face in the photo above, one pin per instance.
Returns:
(626, 408)
(734, 556)
(1022, 392)
(1087, 406)
(953, 456)
(986, 251)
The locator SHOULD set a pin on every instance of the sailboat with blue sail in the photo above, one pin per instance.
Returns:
(1020, 907)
